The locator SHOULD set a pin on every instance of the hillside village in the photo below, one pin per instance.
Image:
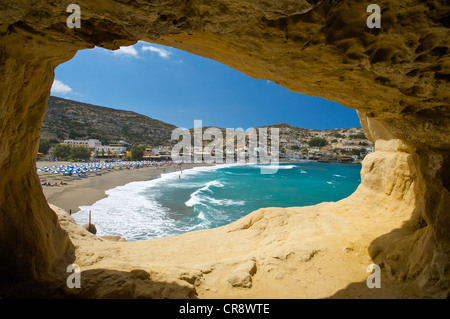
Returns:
(337, 145)
(79, 131)
(340, 145)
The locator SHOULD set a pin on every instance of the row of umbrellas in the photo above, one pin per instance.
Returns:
(92, 167)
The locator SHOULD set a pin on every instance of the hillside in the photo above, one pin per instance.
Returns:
(67, 119)
(342, 138)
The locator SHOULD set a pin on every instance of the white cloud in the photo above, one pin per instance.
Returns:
(127, 51)
(163, 53)
(59, 87)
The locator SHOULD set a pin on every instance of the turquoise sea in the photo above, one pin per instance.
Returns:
(212, 196)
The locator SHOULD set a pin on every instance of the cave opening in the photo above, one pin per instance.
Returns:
(317, 48)
(175, 88)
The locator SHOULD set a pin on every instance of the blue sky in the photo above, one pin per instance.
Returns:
(178, 87)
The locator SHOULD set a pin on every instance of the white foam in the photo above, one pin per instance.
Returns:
(273, 166)
(142, 216)
(133, 206)
(226, 202)
(201, 215)
(199, 197)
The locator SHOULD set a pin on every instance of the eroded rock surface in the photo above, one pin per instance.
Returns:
(396, 77)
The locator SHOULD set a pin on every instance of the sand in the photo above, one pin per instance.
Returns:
(320, 251)
(87, 191)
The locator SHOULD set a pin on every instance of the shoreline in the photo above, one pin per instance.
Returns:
(89, 190)
(288, 246)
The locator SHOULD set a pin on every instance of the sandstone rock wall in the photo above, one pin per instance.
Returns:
(396, 77)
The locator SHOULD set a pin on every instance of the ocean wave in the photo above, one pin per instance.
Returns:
(201, 216)
(143, 216)
(208, 217)
(137, 207)
(226, 202)
(196, 197)
(237, 174)
(174, 176)
(200, 197)
(273, 166)
(171, 205)
(207, 201)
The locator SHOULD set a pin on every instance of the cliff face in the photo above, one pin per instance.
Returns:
(320, 251)
(396, 77)
(66, 117)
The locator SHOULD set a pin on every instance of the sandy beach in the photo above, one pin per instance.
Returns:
(86, 191)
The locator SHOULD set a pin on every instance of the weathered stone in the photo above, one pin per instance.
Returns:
(396, 77)
(90, 228)
(240, 279)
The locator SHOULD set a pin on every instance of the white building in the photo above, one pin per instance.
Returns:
(113, 150)
(91, 143)
(96, 145)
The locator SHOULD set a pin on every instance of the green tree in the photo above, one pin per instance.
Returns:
(318, 141)
(361, 136)
(74, 134)
(80, 152)
(137, 152)
(358, 151)
(44, 145)
(53, 141)
(62, 151)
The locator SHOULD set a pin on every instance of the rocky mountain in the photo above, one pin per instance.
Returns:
(336, 138)
(67, 119)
